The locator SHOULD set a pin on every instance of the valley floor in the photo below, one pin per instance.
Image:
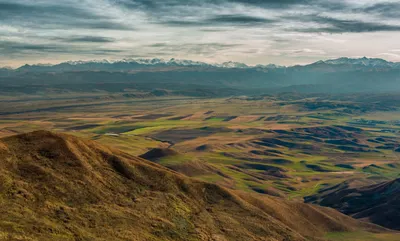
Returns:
(288, 146)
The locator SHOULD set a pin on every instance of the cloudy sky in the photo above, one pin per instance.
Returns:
(283, 32)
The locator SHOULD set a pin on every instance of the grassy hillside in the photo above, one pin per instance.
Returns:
(377, 203)
(60, 187)
(286, 145)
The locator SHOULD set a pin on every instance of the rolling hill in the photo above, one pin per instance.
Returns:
(377, 203)
(60, 187)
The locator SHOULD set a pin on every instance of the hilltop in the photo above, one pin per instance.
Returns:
(60, 187)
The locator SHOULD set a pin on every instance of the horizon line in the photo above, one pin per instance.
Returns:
(111, 61)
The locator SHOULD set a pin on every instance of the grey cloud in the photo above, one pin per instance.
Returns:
(157, 45)
(183, 23)
(194, 45)
(86, 39)
(272, 3)
(385, 9)
(183, 27)
(17, 10)
(20, 48)
(222, 20)
(200, 48)
(240, 19)
(164, 5)
(335, 25)
(389, 9)
(213, 30)
(187, 13)
(52, 16)
(15, 47)
(154, 4)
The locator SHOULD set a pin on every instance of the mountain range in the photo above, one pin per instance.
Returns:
(185, 77)
(132, 64)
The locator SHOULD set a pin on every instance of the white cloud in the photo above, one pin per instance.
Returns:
(391, 56)
(191, 26)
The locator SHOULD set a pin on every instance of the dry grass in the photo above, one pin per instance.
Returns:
(59, 187)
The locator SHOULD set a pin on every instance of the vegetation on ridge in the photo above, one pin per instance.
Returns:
(60, 187)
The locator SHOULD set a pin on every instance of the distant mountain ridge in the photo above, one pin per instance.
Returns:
(372, 62)
(193, 78)
(132, 64)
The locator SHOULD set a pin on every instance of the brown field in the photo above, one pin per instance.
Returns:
(224, 132)
(252, 146)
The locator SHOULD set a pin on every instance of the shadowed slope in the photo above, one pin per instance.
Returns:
(187, 167)
(158, 153)
(59, 187)
(378, 203)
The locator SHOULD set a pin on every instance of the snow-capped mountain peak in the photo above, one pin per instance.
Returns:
(370, 62)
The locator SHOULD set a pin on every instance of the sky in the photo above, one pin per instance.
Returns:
(284, 32)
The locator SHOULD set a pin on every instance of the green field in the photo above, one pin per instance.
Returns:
(291, 145)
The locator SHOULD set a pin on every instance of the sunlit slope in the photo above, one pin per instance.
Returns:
(59, 187)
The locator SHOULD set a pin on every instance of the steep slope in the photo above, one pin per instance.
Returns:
(59, 187)
(378, 203)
